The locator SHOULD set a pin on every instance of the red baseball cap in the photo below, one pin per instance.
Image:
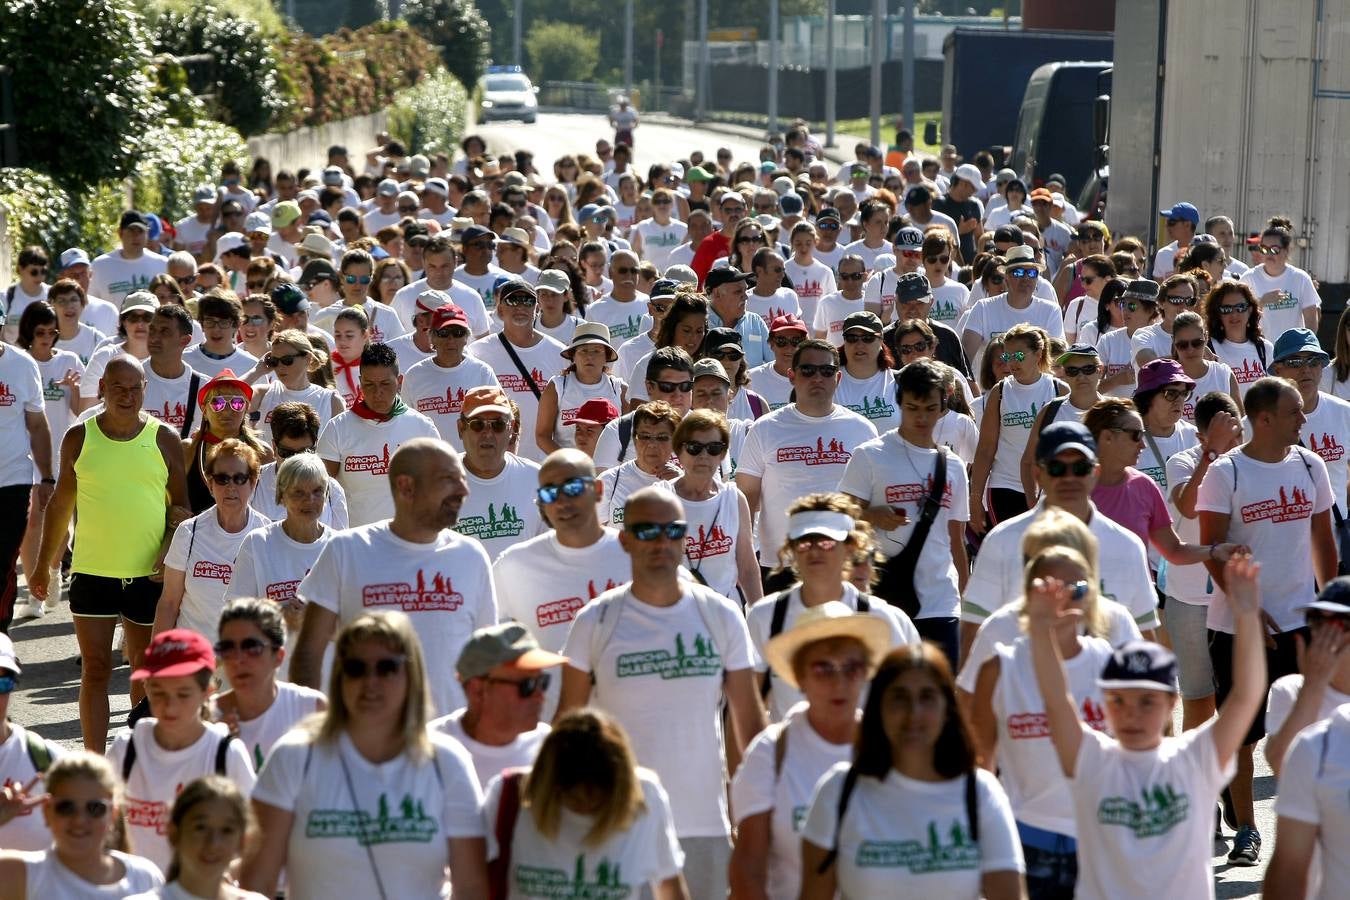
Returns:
(788, 322)
(448, 315)
(178, 651)
(596, 411)
(227, 378)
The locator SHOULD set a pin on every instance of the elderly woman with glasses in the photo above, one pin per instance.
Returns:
(294, 428)
(654, 425)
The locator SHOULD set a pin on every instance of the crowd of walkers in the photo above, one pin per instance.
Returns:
(763, 529)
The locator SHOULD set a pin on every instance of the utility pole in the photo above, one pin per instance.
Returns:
(907, 98)
(628, 49)
(515, 31)
(874, 107)
(775, 48)
(702, 107)
(830, 87)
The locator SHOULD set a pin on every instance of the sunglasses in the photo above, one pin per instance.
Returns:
(287, 452)
(357, 279)
(670, 387)
(625, 270)
(911, 254)
(273, 361)
(248, 646)
(1172, 395)
(572, 487)
(652, 438)
(654, 531)
(1024, 272)
(867, 337)
(69, 809)
(1075, 371)
(808, 370)
(1301, 362)
(518, 299)
(1129, 305)
(660, 203)
(222, 479)
(1195, 344)
(1015, 355)
(1090, 280)
(826, 227)
(497, 425)
(187, 280)
(1269, 251)
(659, 309)
(213, 322)
(8, 683)
(38, 270)
(1176, 221)
(450, 331)
(385, 667)
(714, 448)
(944, 260)
(1180, 299)
(787, 341)
(1234, 309)
(412, 210)
(1316, 617)
(851, 276)
(1058, 468)
(995, 278)
(911, 349)
(1134, 434)
(808, 541)
(752, 238)
(235, 403)
(526, 687)
(828, 671)
(488, 245)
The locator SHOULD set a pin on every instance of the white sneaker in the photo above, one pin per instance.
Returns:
(28, 610)
(51, 604)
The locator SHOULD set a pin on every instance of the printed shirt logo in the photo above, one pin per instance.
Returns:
(1292, 506)
(212, 571)
(1158, 474)
(822, 454)
(703, 662)
(512, 381)
(874, 408)
(440, 596)
(943, 311)
(626, 329)
(171, 415)
(809, 288)
(1162, 808)
(1030, 726)
(53, 390)
(606, 884)
(1329, 449)
(447, 405)
(1249, 371)
(281, 591)
(374, 465)
(704, 545)
(1286, 301)
(1014, 418)
(508, 524)
(411, 826)
(917, 493)
(148, 814)
(118, 290)
(958, 854)
(560, 612)
(7, 397)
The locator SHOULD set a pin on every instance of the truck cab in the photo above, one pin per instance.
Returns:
(1055, 126)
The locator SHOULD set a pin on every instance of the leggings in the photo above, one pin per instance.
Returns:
(1004, 504)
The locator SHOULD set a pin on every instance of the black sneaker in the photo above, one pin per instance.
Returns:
(1229, 813)
(1246, 847)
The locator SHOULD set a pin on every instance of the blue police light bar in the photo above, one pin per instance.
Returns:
(502, 70)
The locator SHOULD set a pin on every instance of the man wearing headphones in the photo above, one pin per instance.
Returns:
(893, 478)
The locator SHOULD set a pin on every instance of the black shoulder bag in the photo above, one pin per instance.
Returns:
(897, 582)
(520, 366)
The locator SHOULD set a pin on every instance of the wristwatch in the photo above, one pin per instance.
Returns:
(1211, 455)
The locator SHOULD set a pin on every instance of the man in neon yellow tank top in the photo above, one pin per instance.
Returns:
(124, 472)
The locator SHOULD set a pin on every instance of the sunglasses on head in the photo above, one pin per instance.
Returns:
(249, 646)
(385, 667)
(1075, 371)
(497, 425)
(1195, 344)
(654, 531)
(862, 337)
(450, 331)
(1180, 299)
(824, 370)
(235, 403)
(572, 487)
(696, 448)
(526, 687)
(1058, 468)
(1233, 309)
(272, 361)
(1013, 355)
(68, 809)
(357, 279)
(817, 541)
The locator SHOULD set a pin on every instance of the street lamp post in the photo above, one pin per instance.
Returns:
(907, 98)
(829, 73)
(874, 107)
(628, 49)
(774, 50)
(515, 31)
(702, 107)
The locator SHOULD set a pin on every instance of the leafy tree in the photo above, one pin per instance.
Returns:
(84, 92)
(463, 35)
(363, 12)
(561, 51)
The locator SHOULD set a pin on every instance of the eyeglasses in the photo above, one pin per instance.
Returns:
(287, 452)
(1075, 371)
(828, 671)
(866, 337)
(1266, 250)
(911, 349)
(1195, 344)
(1134, 434)
(661, 438)
(714, 448)
(357, 279)
(817, 541)
(781, 342)
(69, 809)
(654, 531)
(944, 260)
(670, 387)
(572, 487)
(1181, 299)
(213, 322)
(497, 425)
(1129, 305)
(235, 403)
(450, 331)
(851, 276)
(525, 687)
(1015, 355)
(221, 478)
(384, 667)
(8, 683)
(273, 361)
(187, 280)
(1302, 362)
(518, 299)
(1024, 272)
(826, 370)
(37, 270)
(1233, 309)
(255, 285)
(1058, 468)
(248, 646)
(1172, 395)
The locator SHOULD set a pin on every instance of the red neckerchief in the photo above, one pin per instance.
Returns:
(365, 412)
(343, 369)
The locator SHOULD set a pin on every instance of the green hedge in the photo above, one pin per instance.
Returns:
(178, 160)
(430, 117)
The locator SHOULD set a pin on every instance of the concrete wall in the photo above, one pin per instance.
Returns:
(308, 147)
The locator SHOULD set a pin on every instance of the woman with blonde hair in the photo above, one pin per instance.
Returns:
(83, 807)
(292, 359)
(390, 276)
(369, 762)
(1335, 377)
(584, 814)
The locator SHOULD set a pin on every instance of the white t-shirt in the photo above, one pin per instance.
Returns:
(879, 293)
(192, 234)
(362, 449)
(158, 775)
(1153, 339)
(997, 578)
(167, 399)
(1158, 847)
(438, 393)
(872, 398)
(869, 254)
(1326, 433)
(795, 455)
(949, 303)
(501, 511)
(959, 434)
(334, 513)
(14, 305)
(781, 302)
(785, 794)
(830, 314)
(811, 282)
(890, 471)
(489, 761)
(466, 298)
(759, 620)
(205, 553)
(28, 830)
(658, 240)
(407, 352)
(992, 316)
(316, 396)
(112, 276)
(1313, 785)
(1081, 312)
(1183, 437)
(86, 341)
(239, 361)
(660, 674)
(1017, 407)
(47, 876)
(1028, 765)
(631, 352)
(20, 393)
(1330, 385)
(623, 318)
(1217, 377)
(292, 704)
(56, 398)
(1117, 356)
(1189, 584)
(710, 545)
(618, 483)
(348, 810)
(774, 388)
(566, 866)
(1270, 510)
(1244, 360)
(1299, 293)
(542, 361)
(1164, 261)
(1284, 693)
(572, 393)
(444, 587)
(910, 840)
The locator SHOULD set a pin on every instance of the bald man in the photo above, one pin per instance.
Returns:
(659, 654)
(545, 580)
(130, 493)
(623, 309)
(414, 563)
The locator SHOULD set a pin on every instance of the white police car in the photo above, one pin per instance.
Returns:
(507, 94)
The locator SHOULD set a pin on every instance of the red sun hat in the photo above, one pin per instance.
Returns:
(227, 378)
(178, 651)
(596, 411)
(788, 322)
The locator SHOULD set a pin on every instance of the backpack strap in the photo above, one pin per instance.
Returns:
(711, 613)
(972, 807)
(780, 749)
(504, 829)
(864, 603)
(607, 613)
(194, 382)
(625, 435)
(39, 751)
(850, 782)
(222, 754)
(515, 358)
(129, 758)
(1051, 410)
(780, 605)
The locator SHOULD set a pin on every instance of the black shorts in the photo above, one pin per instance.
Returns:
(1280, 661)
(133, 599)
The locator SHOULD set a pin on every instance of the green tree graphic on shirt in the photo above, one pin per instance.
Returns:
(703, 661)
(605, 884)
(919, 858)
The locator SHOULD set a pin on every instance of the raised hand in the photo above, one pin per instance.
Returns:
(1225, 552)
(1225, 433)
(16, 799)
(1048, 603)
(1242, 574)
(1318, 656)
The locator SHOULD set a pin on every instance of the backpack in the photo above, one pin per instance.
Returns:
(625, 436)
(222, 753)
(39, 751)
(610, 607)
(504, 829)
(780, 606)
